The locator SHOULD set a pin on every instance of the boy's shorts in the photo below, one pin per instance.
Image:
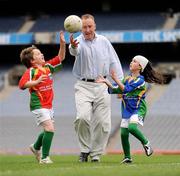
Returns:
(133, 119)
(42, 115)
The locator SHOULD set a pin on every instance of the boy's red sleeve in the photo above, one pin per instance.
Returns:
(25, 78)
(54, 61)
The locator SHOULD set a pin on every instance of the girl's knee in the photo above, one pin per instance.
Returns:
(124, 132)
(132, 127)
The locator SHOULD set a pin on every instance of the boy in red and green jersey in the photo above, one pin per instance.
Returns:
(38, 79)
(41, 94)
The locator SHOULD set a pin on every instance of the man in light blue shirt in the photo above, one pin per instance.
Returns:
(94, 56)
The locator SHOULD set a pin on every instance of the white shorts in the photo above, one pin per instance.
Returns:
(133, 119)
(42, 115)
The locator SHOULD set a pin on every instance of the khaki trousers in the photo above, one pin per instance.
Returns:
(93, 119)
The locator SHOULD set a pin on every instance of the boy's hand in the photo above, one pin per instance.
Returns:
(62, 39)
(30, 84)
(41, 79)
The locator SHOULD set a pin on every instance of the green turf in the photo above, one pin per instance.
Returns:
(67, 165)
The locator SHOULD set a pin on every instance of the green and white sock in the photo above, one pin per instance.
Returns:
(46, 143)
(38, 143)
(125, 142)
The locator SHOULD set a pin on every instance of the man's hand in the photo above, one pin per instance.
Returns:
(74, 43)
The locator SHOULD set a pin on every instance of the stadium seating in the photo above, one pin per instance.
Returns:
(106, 21)
(161, 115)
(120, 21)
(162, 119)
(49, 23)
(168, 104)
(3, 71)
(11, 24)
(1, 81)
(130, 21)
(178, 23)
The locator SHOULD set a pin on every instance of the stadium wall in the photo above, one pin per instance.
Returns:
(113, 36)
(157, 45)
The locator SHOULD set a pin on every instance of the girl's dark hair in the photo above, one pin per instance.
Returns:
(152, 76)
(26, 56)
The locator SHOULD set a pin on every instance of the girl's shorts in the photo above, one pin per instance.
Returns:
(133, 119)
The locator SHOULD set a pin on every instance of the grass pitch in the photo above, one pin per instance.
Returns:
(68, 165)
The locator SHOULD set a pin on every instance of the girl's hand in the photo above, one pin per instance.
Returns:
(100, 79)
(115, 78)
(119, 96)
(113, 75)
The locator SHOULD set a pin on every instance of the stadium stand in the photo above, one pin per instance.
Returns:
(1, 81)
(171, 21)
(160, 115)
(164, 119)
(168, 104)
(130, 21)
(48, 23)
(178, 22)
(11, 23)
(3, 73)
(15, 74)
(112, 21)
(162, 122)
